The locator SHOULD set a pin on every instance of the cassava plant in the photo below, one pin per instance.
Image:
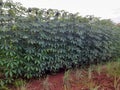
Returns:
(35, 42)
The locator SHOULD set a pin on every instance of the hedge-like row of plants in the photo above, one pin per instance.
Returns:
(34, 42)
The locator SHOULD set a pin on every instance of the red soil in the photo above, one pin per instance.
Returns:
(52, 82)
(59, 82)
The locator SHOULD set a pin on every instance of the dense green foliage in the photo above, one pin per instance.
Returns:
(36, 41)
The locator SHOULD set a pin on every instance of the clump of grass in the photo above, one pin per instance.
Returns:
(66, 80)
(98, 68)
(90, 69)
(20, 84)
(116, 83)
(88, 82)
(92, 86)
(78, 74)
(113, 69)
(4, 88)
(46, 84)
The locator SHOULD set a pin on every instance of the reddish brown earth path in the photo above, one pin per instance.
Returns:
(55, 82)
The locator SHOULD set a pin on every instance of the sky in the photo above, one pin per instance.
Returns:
(106, 9)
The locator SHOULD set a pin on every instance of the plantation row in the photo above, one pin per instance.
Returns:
(34, 42)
